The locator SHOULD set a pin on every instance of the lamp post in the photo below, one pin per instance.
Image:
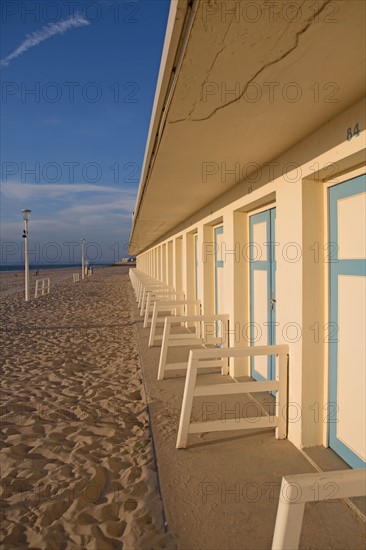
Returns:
(26, 215)
(82, 258)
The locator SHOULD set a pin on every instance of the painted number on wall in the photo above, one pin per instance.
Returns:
(352, 133)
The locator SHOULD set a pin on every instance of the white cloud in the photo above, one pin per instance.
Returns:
(116, 206)
(45, 33)
(62, 212)
(15, 190)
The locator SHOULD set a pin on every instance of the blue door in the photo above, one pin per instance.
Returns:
(196, 264)
(262, 291)
(347, 326)
(219, 274)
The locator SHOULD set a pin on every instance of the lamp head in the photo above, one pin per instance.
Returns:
(26, 214)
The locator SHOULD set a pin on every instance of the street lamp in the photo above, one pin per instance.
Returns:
(82, 258)
(26, 215)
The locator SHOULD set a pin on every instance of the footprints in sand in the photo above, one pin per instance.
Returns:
(135, 396)
(77, 457)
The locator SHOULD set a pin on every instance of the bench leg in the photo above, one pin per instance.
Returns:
(164, 349)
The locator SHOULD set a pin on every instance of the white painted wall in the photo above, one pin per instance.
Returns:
(301, 283)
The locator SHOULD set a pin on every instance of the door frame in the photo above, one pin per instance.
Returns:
(219, 264)
(269, 211)
(195, 244)
(357, 268)
(336, 179)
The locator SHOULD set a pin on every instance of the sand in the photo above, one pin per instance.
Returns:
(12, 282)
(78, 467)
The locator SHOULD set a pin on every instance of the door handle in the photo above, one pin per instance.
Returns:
(273, 301)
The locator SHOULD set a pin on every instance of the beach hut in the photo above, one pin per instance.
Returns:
(252, 195)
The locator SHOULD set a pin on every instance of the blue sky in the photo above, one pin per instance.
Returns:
(78, 83)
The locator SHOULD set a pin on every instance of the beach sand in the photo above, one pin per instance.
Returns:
(13, 281)
(78, 468)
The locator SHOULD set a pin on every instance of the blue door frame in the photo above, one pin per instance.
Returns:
(219, 264)
(337, 267)
(196, 264)
(268, 265)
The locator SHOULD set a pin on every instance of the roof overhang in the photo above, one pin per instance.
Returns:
(235, 90)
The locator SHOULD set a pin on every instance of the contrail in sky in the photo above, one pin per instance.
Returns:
(45, 33)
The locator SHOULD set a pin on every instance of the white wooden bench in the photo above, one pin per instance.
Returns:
(45, 286)
(156, 295)
(136, 276)
(151, 295)
(133, 274)
(197, 360)
(201, 337)
(144, 286)
(296, 490)
(172, 307)
(139, 280)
